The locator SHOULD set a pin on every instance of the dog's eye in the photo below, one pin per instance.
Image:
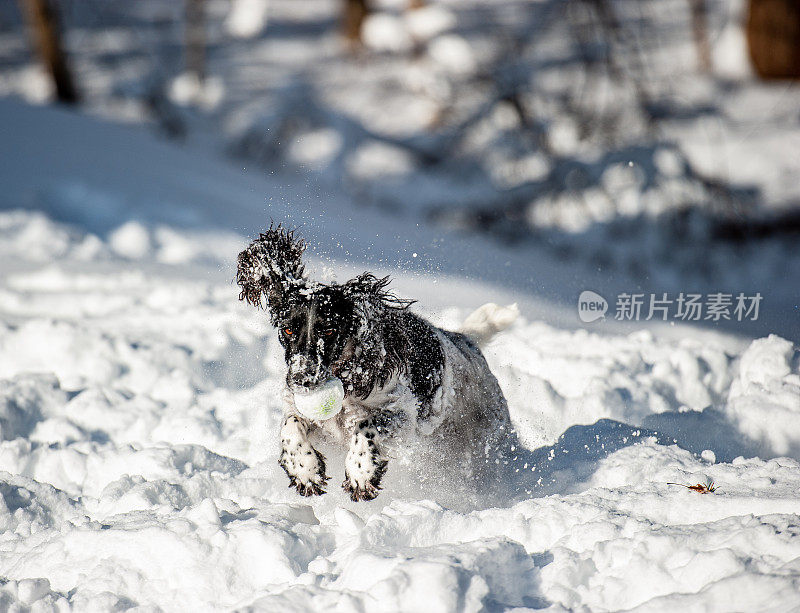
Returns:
(288, 331)
(324, 330)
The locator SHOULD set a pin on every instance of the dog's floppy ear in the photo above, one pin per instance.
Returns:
(272, 266)
(371, 290)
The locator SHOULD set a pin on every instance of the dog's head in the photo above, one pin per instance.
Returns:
(322, 328)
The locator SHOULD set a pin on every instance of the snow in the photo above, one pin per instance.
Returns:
(140, 407)
(765, 393)
(453, 53)
(428, 21)
(247, 18)
(140, 401)
(131, 240)
(386, 32)
(187, 89)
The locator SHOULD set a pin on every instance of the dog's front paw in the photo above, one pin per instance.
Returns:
(360, 491)
(306, 471)
(363, 482)
(309, 489)
(364, 465)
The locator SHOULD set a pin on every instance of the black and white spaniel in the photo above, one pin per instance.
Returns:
(404, 379)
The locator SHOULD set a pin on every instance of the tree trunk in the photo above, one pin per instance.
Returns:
(773, 38)
(355, 11)
(45, 37)
(196, 38)
(699, 11)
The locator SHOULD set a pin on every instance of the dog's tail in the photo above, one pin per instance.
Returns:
(488, 320)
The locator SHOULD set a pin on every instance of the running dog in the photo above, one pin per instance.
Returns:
(403, 377)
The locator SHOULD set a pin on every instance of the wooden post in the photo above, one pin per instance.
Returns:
(196, 38)
(45, 38)
(355, 11)
(699, 11)
(773, 38)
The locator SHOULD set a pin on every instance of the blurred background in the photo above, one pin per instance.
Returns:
(615, 145)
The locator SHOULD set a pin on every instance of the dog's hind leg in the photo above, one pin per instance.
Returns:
(303, 464)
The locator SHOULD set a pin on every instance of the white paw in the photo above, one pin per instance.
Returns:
(303, 464)
(364, 466)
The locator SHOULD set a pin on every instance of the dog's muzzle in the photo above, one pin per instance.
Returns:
(305, 374)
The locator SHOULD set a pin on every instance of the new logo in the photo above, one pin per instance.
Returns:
(591, 306)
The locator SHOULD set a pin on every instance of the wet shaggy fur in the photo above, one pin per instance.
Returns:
(403, 378)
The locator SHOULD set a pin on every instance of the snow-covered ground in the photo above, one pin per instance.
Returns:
(139, 399)
(139, 407)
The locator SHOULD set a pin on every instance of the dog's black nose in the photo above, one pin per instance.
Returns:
(297, 379)
(302, 379)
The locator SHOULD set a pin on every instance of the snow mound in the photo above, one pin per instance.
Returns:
(140, 413)
(139, 449)
(764, 399)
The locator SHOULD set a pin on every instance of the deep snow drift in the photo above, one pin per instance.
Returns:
(139, 411)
